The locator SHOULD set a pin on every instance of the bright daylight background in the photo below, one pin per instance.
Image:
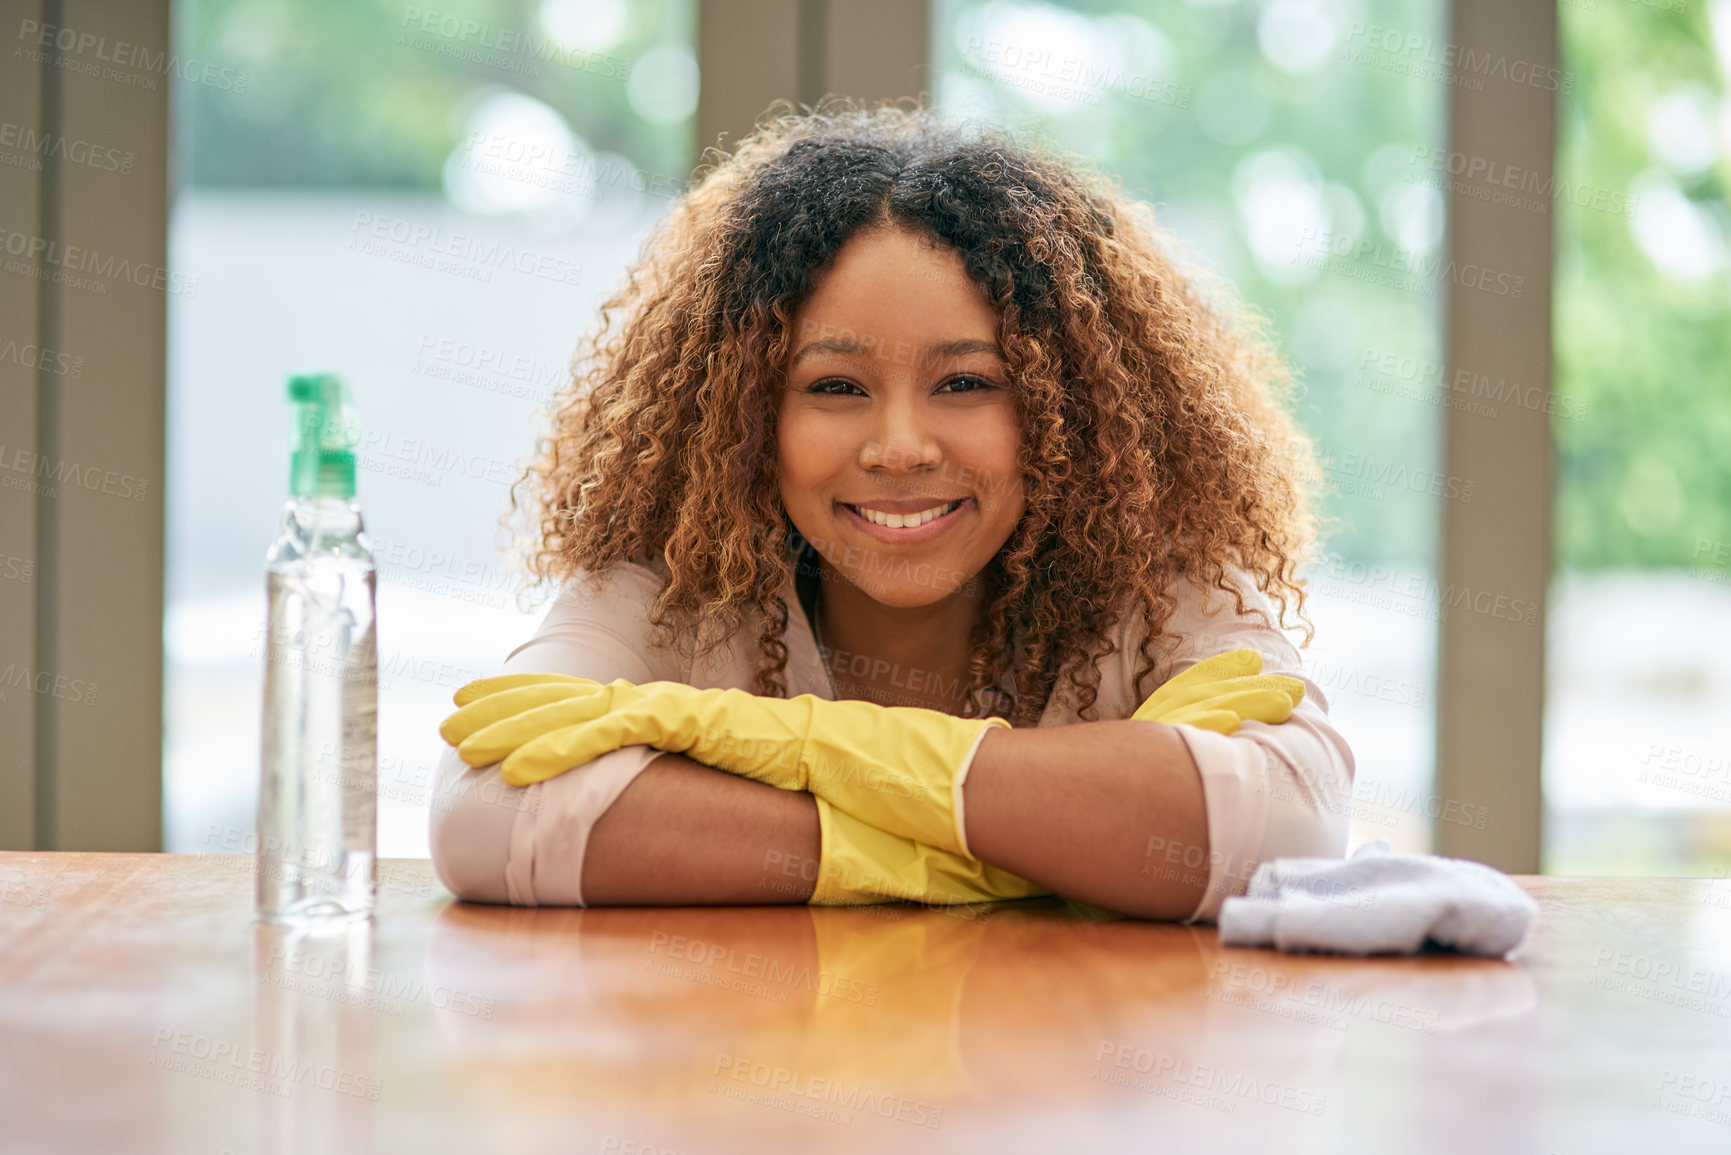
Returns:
(348, 211)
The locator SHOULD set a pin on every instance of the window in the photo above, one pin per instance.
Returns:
(432, 204)
(1638, 715)
(1292, 152)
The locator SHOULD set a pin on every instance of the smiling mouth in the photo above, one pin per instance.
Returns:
(906, 520)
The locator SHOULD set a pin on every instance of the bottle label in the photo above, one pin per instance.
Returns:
(360, 741)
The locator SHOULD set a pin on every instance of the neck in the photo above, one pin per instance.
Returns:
(912, 655)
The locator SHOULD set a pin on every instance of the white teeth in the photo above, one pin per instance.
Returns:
(904, 521)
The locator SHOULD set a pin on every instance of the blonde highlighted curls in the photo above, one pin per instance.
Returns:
(1156, 440)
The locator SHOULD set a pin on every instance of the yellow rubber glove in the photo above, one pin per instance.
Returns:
(861, 864)
(892, 766)
(873, 761)
(1221, 692)
(491, 701)
(1215, 694)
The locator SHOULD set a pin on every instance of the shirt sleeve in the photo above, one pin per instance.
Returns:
(525, 845)
(1271, 791)
(599, 631)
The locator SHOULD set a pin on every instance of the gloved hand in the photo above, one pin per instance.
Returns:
(894, 767)
(1221, 692)
(858, 863)
(861, 864)
(490, 701)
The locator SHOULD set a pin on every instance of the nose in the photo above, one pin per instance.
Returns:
(902, 439)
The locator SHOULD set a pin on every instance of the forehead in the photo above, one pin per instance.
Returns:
(890, 285)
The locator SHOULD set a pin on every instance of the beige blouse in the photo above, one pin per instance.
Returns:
(1271, 791)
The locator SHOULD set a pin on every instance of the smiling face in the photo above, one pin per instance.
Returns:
(897, 432)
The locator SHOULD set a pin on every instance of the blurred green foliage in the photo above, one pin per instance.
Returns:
(1642, 412)
(1646, 477)
(357, 94)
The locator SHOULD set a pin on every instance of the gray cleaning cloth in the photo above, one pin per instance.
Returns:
(1378, 902)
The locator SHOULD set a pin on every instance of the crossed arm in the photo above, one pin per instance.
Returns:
(1108, 813)
(1072, 808)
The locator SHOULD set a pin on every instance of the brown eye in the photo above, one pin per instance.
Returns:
(823, 386)
(979, 383)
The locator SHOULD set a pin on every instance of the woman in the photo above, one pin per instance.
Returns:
(900, 413)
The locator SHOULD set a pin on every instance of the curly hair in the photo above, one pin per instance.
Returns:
(1156, 439)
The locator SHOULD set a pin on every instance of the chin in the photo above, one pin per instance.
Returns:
(909, 594)
(901, 596)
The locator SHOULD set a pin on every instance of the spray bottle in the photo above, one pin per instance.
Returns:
(318, 789)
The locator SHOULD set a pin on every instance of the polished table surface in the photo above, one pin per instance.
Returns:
(142, 1009)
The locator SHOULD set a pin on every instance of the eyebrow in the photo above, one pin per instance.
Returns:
(937, 351)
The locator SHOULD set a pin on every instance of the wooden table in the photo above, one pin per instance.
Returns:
(142, 1010)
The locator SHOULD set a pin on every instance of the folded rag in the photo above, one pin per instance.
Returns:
(1377, 902)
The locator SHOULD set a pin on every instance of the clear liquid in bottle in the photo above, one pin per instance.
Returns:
(318, 796)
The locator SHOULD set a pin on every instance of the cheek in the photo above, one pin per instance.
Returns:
(993, 454)
(790, 445)
(806, 455)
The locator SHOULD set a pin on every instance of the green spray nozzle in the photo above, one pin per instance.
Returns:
(325, 437)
